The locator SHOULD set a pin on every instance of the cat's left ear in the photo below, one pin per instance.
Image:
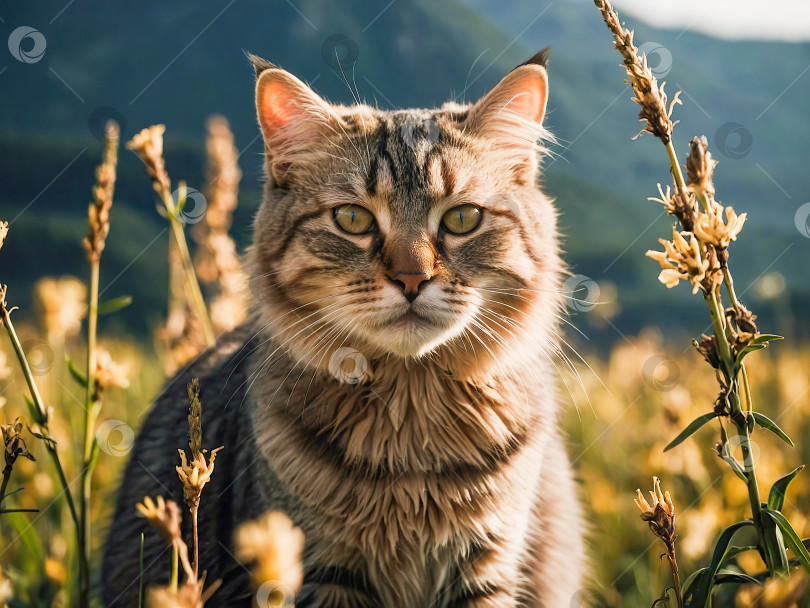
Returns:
(293, 118)
(511, 114)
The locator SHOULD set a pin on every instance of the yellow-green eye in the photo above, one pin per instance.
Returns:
(354, 219)
(462, 219)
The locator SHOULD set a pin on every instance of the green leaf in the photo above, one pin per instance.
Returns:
(774, 547)
(765, 338)
(690, 430)
(28, 534)
(94, 451)
(703, 587)
(76, 373)
(776, 499)
(114, 305)
(757, 343)
(792, 540)
(767, 423)
(729, 576)
(735, 551)
(689, 584)
(32, 409)
(732, 462)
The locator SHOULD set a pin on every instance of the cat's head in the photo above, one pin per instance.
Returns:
(409, 232)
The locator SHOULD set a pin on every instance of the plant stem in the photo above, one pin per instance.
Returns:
(39, 412)
(191, 276)
(673, 563)
(140, 575)
(739, 419)
(195, 564)
(174, 581)
(6, 479)
(91, 407)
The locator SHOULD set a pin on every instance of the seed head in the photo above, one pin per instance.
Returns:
(660, 515)
(3, 232)
(14, 442)
(710, 227)
(700, 168)
(148, 145)
(163, 515)
(98, 213)
(648, 94)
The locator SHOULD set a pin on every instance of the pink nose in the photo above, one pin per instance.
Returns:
(411, 263)
(410, 283)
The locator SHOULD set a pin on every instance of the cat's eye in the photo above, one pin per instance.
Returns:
(354, 219)
(462, 219)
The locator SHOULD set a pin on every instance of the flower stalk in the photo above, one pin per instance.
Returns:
(699, 254)
(94, 242)
(148, 145)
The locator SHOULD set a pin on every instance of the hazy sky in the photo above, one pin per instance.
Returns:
(770, 19)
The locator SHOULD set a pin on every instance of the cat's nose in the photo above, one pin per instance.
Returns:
(410, 283)
(411, 263)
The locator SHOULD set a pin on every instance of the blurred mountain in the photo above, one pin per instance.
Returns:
(177, 63)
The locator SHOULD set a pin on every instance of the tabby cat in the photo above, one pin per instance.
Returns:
(394, 392)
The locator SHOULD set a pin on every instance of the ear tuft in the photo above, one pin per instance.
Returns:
(510, 118)
(539, 58)
(293, 118)
(259, 64)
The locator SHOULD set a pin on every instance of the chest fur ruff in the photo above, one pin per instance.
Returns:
(404, 477)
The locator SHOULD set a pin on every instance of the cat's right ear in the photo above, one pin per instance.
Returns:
(293, 118)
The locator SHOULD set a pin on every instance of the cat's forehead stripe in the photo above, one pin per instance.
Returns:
(410, 163)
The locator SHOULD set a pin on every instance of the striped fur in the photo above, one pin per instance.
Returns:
(435, 475)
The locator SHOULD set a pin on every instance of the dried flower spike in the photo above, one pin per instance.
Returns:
(216, 259)
(196, 472)
(14, 442)
(109, 373)
(164, 516)
(680, 204)
(148, 145)
(98, 213)
(710, 227)
(652, 99)
(700, 168)
(660, 515)
(680, 260)
(273, 545)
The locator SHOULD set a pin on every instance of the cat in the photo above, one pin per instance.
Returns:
(394, 391)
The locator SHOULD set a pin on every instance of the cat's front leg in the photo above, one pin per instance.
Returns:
(329, 587)
(488, 578)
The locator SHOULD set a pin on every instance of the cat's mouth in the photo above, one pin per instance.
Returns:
(410, 319)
